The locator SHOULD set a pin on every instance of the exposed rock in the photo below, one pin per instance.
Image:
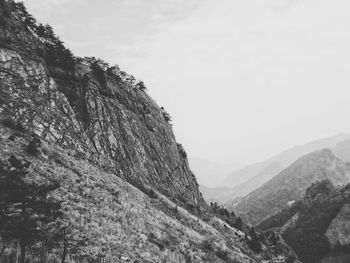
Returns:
(113, 124)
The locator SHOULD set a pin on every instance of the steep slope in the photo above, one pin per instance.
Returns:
(119, 222)
(262, 177)
(90, 109)
(290, 185)
(282, 159)
(317, 226)
(123, 186)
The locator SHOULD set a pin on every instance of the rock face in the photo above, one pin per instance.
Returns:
(290, 185)
(339, 230)
(101, 117)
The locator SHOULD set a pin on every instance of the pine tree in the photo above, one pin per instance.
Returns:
(238, 224)
(254, 243)
(26, 211)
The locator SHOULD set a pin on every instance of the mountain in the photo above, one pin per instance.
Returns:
(255, 175)
(90, 170)
(208, 173)
(282, 160)
(220, 195)
(92, 110)
(290, 184)
(342, 150)
(118, 221)
(259, 179)
(229, 195)
(317, 227)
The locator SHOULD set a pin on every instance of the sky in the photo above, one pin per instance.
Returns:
(242, 79)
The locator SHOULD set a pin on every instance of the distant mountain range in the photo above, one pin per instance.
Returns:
(342, 150)
(251, 177)
(282, 159)
(209, 173)
(290, 184)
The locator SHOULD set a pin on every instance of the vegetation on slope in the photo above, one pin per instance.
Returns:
(314, 214)
(290, 185)
(94, 109)
(98, 216)
(104, 219)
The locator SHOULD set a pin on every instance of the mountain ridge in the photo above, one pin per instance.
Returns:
(91, 109)
(317, 226)
(286, 157)
(290, 184)
(122, 183)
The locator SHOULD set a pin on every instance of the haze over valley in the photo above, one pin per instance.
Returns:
(180, 131)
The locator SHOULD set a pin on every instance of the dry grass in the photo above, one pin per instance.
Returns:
(121, 222)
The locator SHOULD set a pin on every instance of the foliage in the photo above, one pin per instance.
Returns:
(26, 211)
(280, 218)
(141, 85)
(143, 188)
(166, 115)
(226, 216)
(34, 145)
(99, 73)
(181, 150)
(10, 123)
(238, 223)
(254, 242)
(321, 204)
(56, 54)
(291, 258)
(4, 13)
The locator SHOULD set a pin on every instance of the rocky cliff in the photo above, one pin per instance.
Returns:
(91, 110)
(75, 133)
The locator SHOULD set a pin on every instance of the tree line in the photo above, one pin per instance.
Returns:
(30, 215)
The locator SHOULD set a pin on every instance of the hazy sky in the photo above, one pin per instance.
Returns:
(242, 79)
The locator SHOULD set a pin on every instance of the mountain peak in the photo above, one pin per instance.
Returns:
(290, 184)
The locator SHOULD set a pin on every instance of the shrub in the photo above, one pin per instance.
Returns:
(151, 193)
(141, 85)
(12, 124)
(146, 190)
(222, 254)
(166, 115)
(254, 243)
(34, 146)
(99, 74)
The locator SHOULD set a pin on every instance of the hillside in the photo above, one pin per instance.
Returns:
(90, 170)
(317, 226)
(281, 160)
(251, 177)
(262, 177)
(342, 150)
(290, 184)
(94, 110)
(117, 219)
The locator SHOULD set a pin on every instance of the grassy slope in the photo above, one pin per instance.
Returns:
(120, 220)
